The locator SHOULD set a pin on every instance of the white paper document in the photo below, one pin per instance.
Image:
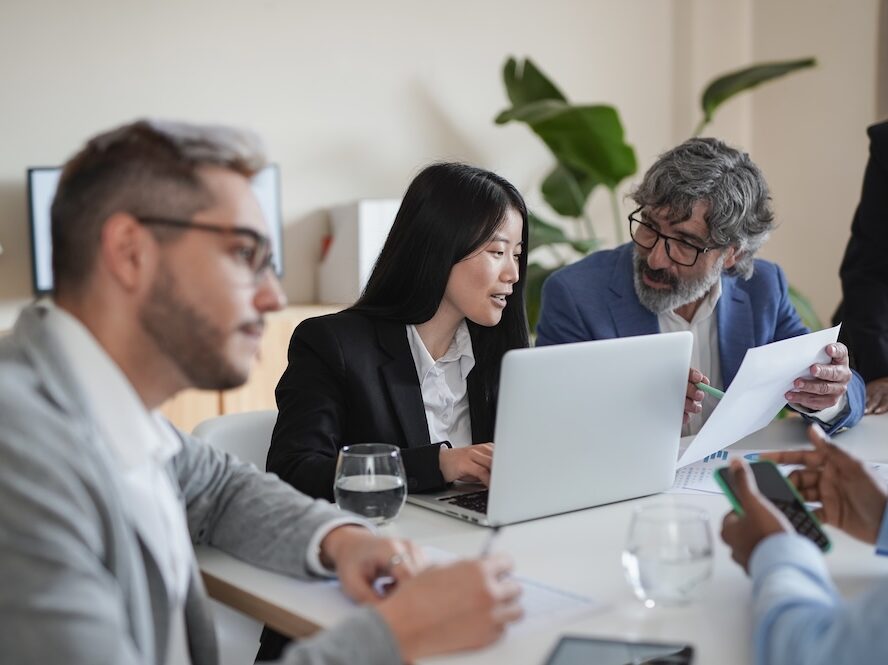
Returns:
(543, 604)
(880, 470)
(699, 477)
(757, 392)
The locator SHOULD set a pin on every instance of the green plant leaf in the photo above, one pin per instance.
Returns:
(805, 310)
(533, 112)
(566, 190)
(543, 233)
(588, 139)
(525, 83)
(724, 87)
(533, 292)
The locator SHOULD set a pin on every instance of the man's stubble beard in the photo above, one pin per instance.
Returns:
(682, 292)
(187, 337)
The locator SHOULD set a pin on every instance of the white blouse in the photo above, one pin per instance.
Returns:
(443, 386)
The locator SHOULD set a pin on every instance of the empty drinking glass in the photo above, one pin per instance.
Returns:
(370, 481)
(668, 553)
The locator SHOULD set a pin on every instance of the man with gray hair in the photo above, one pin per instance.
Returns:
(703, 212)
(162, 274)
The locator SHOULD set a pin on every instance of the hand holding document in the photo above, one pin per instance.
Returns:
(757, 392)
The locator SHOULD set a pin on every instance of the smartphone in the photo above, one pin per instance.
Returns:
(782, 494)
(577, 650)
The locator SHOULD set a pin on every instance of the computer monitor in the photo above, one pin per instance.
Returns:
(42, 183)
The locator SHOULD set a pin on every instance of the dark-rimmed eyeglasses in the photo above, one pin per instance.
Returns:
(257, 256)
(647, 235)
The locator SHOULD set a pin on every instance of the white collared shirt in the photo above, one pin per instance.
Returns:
(704, 354)
(705, 357)
(140, 443)
(444, 388)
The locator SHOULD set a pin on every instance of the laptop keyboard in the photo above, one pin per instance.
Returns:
(476, 501)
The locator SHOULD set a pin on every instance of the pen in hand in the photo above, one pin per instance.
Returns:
(488, 544)
(709, 390)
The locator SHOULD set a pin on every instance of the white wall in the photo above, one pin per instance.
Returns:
(354, 97)
(711, 39)
(809, 133)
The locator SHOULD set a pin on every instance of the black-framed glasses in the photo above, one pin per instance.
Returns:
(257, 256)
(647, 235)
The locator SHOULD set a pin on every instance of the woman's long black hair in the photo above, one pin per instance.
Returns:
(449, 212)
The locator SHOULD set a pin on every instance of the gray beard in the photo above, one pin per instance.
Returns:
(682, 292)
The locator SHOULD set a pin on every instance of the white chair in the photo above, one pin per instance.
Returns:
(244, 435)
(247, 437)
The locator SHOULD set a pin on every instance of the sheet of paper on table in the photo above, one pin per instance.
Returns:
(699, 477)
(543, 605)
(757, 392)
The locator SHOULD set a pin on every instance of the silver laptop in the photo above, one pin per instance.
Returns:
(579, 425)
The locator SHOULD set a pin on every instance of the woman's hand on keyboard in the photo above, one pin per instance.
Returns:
(471, 464)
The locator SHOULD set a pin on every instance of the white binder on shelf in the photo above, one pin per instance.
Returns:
(357, 233)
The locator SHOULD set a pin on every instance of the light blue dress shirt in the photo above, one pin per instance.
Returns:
(799, 616)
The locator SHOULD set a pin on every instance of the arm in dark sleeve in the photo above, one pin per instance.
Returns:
(423, 468)
(311, 401)
(864, 270)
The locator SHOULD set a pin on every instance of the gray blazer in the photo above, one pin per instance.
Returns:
(76, 584)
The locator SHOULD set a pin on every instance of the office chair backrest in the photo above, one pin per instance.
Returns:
(244, 435)
(247, 437)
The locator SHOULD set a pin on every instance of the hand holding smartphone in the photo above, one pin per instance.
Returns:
(779, 491)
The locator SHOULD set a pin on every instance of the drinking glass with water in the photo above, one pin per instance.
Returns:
(370, 481)
(668, 553)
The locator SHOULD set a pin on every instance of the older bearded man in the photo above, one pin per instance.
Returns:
(703, 212)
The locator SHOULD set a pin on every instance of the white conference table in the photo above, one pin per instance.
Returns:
(578, 552)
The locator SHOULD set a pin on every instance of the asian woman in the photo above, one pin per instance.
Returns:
(416, 361)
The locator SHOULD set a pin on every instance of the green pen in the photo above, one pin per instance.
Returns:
(709, 390)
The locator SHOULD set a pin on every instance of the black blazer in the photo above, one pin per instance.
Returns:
(351, 379)
(864, 271)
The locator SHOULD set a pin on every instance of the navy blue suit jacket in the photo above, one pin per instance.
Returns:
(594, 298)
